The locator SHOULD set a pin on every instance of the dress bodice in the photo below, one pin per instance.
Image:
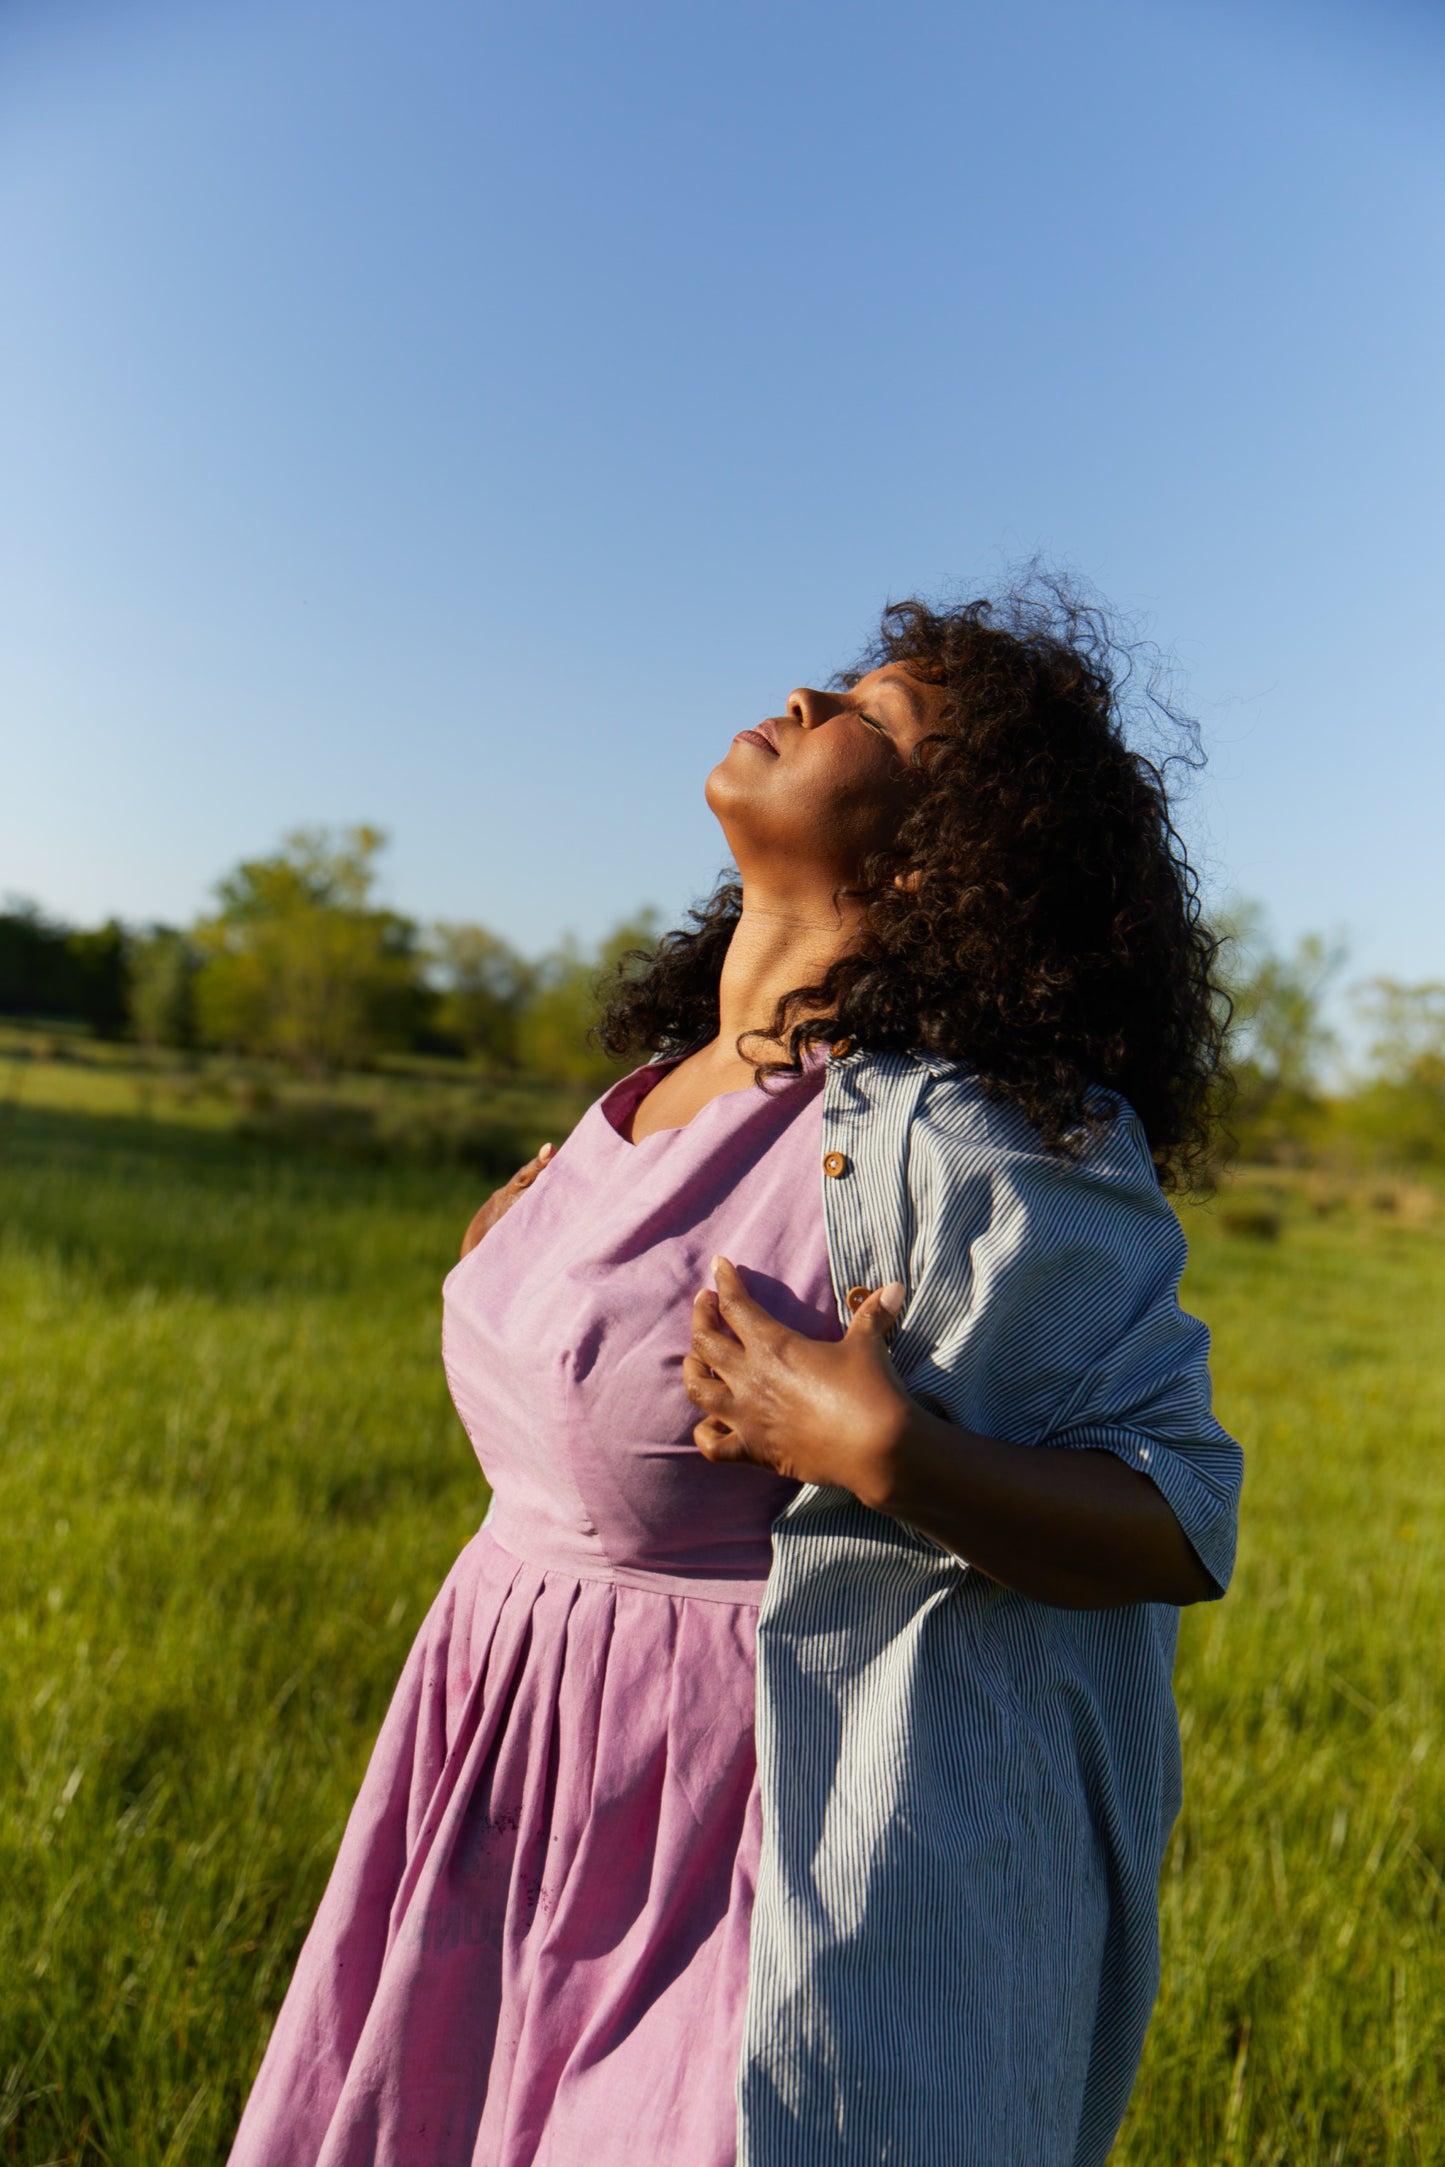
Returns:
(565, 1330)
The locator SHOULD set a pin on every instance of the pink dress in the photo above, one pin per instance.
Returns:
(533, 1948)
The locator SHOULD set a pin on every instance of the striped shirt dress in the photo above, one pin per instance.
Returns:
(967, 1793)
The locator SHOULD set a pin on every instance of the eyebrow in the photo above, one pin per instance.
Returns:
(896, 684)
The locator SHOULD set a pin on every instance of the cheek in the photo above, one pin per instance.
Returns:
(858, 802)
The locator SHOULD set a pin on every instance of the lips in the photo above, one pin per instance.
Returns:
(764, 735)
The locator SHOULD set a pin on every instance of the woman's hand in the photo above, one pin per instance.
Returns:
(500, 1202)
(816, 1410)
(1068, 1526)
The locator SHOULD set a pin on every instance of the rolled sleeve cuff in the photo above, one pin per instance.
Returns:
(1200, 1486)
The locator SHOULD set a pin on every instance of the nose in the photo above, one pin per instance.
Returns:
(809, 708)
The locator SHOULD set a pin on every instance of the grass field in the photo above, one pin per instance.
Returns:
(230, 1481)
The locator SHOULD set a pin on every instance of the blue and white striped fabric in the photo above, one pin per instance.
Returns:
(967, 1794)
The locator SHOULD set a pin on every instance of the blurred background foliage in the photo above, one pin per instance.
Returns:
(300, 967)
(1298, 1095)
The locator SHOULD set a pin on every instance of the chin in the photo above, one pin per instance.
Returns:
(733, 800)
(722, 789)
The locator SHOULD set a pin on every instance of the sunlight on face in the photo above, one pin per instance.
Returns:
(806, 795)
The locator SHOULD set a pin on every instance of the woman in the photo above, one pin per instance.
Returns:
(783, 1772)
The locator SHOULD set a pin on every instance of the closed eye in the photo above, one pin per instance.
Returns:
(872, 722)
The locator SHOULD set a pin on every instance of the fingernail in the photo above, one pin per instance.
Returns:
(715, 1263)
(891, 1297)
(545, 1153)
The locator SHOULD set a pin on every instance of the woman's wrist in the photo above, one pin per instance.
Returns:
(901, 1467)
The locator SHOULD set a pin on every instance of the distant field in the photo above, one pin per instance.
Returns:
(230, 1481)
(407, 1110)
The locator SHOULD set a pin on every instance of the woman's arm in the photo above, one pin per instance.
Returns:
(500, 1202)
(1071, 1527)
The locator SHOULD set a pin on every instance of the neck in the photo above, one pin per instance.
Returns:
(775, 947)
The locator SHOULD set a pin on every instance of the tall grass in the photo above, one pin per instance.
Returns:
(230, 1482)
(1302, 2015)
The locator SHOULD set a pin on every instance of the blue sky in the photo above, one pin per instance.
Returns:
(466, 418)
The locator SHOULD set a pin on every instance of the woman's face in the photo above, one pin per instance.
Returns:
(806, 795)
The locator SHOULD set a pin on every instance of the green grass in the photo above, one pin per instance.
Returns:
(1302, 2015)
(231, 1481)
(407, 1109)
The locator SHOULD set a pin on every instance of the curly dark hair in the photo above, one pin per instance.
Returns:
(1050, 934)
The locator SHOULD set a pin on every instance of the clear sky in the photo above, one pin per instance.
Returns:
(465, 418)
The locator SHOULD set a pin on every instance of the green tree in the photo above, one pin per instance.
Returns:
(1401, 1108)
(53, 971)
(163, 967)
(1279, 1036)
(554, 1031)
(300, 962)
(100, 977)
(35, 974)
(485, 986)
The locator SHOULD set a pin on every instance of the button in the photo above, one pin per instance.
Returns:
(841, 1048)
(856, 1297)
(834, 1164)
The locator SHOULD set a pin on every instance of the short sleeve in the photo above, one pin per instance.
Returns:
(1047, 1312)
(1152, 1400)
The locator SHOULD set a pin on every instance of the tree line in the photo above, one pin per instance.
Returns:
(299, 961)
